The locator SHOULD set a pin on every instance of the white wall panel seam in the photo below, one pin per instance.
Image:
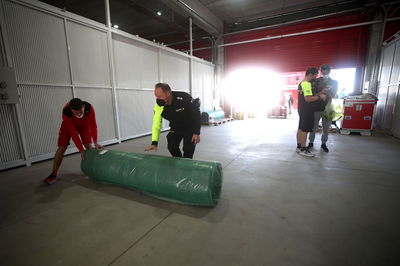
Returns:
(112, 79)
(71, 75)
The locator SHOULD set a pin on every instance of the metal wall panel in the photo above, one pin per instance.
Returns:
(10, 149)
(2, 56)
(136, 64)
(197, 89)
(395, 75)
(395, 130)
(203, 84)
(135, 110)
(175, 71)
(41, 111)
(89, 55)
(395, 78)
(101, 99)
(208, 85)
(390, 105)
(38, 45)
(386, 67)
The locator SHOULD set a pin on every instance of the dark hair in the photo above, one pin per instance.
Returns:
(164, 86)
(76, 104)
(312, 71)
(325, 67)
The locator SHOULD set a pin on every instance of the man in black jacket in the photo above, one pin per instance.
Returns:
(330, 86)
(183, 113)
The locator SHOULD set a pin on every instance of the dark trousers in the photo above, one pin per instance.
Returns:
(174, 140)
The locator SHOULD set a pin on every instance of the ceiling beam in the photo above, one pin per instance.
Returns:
(200, 14)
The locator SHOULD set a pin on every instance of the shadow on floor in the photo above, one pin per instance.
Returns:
(218, 213)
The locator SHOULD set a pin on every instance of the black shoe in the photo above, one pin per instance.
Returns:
(323, 146)
(50, 179)
(310, 146)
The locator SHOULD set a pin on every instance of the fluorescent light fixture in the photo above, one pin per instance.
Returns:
(159, 13)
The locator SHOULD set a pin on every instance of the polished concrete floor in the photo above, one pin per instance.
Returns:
(276, 207)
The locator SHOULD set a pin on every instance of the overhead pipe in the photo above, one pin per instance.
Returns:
(297, 33)
(291, 22)
(307, 32)
(190, 36)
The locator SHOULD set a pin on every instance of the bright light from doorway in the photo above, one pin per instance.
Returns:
(346, 78)
(253, 90)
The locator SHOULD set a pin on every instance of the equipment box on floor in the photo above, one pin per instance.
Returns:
(358, 114)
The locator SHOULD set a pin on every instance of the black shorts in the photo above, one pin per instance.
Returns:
(306, 122)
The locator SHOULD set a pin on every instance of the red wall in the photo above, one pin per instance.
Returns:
(339, 48)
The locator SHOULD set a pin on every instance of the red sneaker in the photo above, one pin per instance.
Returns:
(50, 179)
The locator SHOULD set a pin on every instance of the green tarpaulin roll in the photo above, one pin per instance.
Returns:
(174, 179)
(212, 115)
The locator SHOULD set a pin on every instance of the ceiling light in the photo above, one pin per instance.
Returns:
(116, 26)
(159, 13)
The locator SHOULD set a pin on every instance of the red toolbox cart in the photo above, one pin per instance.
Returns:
(358, 114)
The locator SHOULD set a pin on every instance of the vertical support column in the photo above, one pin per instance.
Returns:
(160, 78)
(219, 76)
(16, 110)
(191, 36)
(191, 57)
(71, 75)
(108, 17)
(112, 72)
(376, 61)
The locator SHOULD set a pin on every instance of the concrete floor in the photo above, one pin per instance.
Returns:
(277, 208)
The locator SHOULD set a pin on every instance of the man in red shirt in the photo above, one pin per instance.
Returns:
(78, 123)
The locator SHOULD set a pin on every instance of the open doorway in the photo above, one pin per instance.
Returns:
(346, 78)
(252, 91)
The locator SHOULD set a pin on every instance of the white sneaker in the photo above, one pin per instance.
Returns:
(307, 153)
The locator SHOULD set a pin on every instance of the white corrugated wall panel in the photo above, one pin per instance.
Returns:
(136, 64)
(395, 75)
(101, 99)
(41, 111)
(175, 71)
(38, 45)
(10, 150)
(387, 59)
(197, 89)
(2, 58)
(208, 86)
(203, 84)
(89, 55)
(395, 78)
(135, 110)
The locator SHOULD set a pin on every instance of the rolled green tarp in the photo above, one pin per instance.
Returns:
(178, 180)
(212, 115)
